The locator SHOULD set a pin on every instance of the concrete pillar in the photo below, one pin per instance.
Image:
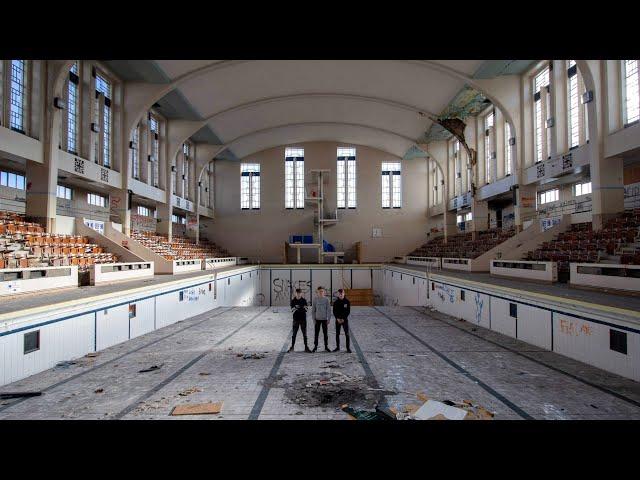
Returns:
(525, 205)
(41, 201)
(42, 179)
(120, 209)
(607, 190)
(480, 213)
(164, 215)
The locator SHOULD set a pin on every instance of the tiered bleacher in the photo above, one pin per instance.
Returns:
(617, 242)
(180, 248)
(24, 244)
(462, 245)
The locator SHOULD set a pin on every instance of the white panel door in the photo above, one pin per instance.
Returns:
(112, 326)
(361, 278)
(501, 320)
(143, 321)
(534, 326)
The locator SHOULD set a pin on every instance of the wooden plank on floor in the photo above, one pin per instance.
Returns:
(197, 409)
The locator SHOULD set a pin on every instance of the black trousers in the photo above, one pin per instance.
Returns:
(344, 325)
(323, 324)
(302, 325)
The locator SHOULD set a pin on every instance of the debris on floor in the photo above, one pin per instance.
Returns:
(92, 355)
(434, 410)
(66, 363)
(197, 409)
(151, 368)
(189, 391)
(8, 395)
(204, 373)
(331, 364)
(98, 390)
(255, 356)
(429, 409)
(331, 389)
(378, 414)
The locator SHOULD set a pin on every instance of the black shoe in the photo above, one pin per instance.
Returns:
(348, 350)
(306, 349)
(314, 348)
(290, 350)
(327, 349)
(337, 349)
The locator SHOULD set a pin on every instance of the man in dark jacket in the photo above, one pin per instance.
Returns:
(299, 310)
(341, 310)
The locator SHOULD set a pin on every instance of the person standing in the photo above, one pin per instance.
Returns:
(299, 310)
(321, 312)
(341, 310)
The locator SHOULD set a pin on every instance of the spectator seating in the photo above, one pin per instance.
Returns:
(617, 242)
(462, 245)
(180, 248)
(24, 244)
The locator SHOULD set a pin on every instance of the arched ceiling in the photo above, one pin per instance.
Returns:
(258, 104)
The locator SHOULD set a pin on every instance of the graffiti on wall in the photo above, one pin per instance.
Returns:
(479, 304)
(194, 294)
(445, 292)
(282, 288)
(575, 328)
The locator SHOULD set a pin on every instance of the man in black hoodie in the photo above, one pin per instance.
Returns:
(341, 310)
(299, 309)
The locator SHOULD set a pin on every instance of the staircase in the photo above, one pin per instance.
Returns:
(360, 297)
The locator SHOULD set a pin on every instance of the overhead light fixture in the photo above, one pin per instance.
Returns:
(59, 103)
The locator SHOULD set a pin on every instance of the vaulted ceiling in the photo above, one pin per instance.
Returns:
(259, 104)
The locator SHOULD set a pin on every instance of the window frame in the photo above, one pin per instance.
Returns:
(389, 177)
(544, 194)
(626, 122)
(294, 178)
(154, 148)
(103, 117)
(25, 96)
(65, 190)
(347, 181)
(582, 186)
(96, 197)
(540, 135)
(252, 173)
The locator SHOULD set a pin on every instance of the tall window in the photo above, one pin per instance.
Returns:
(573, 104)
(549, 196)
(186, 152)
(73, 108)
(391, 185)
(346, 178)
(457, 164)
(134, 152)
(250, 186)
(582, 189)
(507, 148)
(631, 91)
(103, 119)
(294, 178)
(540, 81)
(488, 145)
(155, 149)
(18, 95)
